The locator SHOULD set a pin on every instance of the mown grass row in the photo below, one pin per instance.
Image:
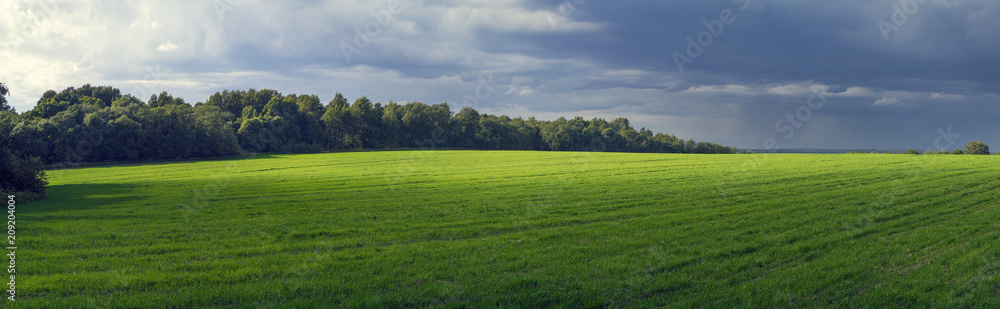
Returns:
(519, 229)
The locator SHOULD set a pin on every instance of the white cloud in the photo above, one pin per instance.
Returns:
(801, 89)
(512, 20)
(167, 47)
(888, 102)
(946, 96)
(857, 92)
(723, 89)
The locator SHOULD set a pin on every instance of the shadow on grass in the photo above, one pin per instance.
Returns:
(54, 167)
(71, 197)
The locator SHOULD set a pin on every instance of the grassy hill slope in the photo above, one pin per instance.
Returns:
(522, 229)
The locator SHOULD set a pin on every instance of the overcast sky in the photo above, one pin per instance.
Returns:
(823, 74)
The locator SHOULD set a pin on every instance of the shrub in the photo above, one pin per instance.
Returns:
(977, 148)
(24, 177)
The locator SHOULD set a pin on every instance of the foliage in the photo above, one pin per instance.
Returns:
(953, 152)
(21, 174)
(99, 124)
(72, 127)
(4, 92)
(977, 148)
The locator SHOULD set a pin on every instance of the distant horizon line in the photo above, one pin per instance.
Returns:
(833, 150)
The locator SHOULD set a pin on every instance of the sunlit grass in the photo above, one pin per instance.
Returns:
(518, 229)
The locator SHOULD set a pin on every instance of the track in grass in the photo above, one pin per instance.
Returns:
(518, 229)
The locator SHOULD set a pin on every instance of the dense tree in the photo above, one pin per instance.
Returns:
(255, 136)
(4, 92)
(49, 106)
(89, 130)
(465, 129)
(977, 148)
(164, 99)
(212, 135)
(99, 124)
(21, 173)
(126, 100)
(954, 152)
(364, 120)
(104, 94)
(125, 139)
(336, 123)
(392, 124)
(22, 176)
(310, 110)
(234, 102)
(425, 126)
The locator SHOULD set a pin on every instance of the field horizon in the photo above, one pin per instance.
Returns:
(467, 228)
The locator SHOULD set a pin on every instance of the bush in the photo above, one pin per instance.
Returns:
(23, 177)
(911, 151)
(977, 148)
(20, 174)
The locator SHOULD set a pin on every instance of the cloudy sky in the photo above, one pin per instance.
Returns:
(823, 74)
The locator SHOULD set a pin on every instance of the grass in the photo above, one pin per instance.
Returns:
(518, 229)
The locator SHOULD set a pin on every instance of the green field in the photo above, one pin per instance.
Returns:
(491, 229)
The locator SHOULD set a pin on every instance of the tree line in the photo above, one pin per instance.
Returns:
(91, 124)
(20, 173)
(971, 148)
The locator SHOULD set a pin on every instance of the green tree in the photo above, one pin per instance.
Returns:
(127, 100)
(104, 94)
(365, 120)
(23, 174)
(4, 92)
(124, 142)
(392, 122)
(97, 124)
(217, 139)
(310, 112)
(690, 146)
(254, 136)
(465, 129)
(164, 99)
(977, 148)
(335, 123)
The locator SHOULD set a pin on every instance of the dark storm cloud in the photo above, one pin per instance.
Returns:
(835, 42)
(937, 65)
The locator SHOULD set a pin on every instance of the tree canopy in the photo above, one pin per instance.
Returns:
(4, 92)
(100, 124)
(22, 174)
(977, 148)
